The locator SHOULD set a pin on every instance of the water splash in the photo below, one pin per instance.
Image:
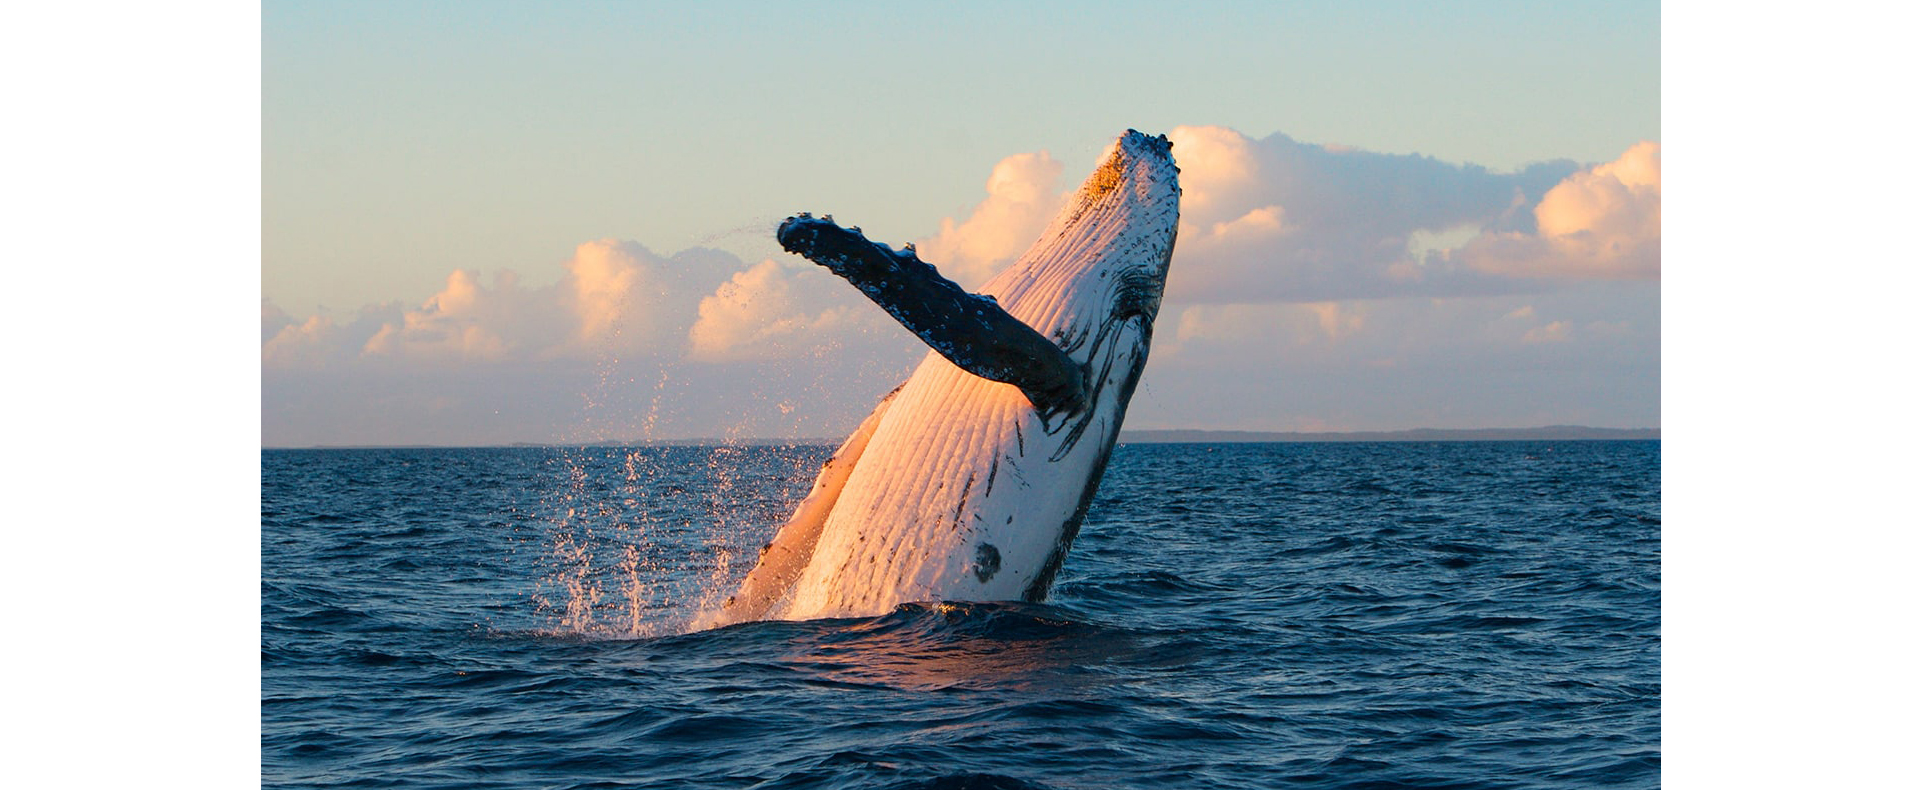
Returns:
(756, 233)
(627, 511)
(626, 505)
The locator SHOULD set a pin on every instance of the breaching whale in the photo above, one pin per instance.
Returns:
(970, 480)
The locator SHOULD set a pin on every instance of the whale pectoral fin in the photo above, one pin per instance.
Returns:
(971, 331)
(782, 561)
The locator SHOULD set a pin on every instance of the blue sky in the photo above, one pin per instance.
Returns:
(477, 218)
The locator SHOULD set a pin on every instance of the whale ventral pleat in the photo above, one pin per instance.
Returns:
(966, 489)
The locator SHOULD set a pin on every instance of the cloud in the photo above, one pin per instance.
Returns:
(1219, 171)
(467, 320)
(1278, 220)
(626, 299)
(1555, 332)
(1298, 323)
(1587, 353)
(1023, 193)
(272, 320)
(1268, 220)
(1312, 286)
(621, 344)
(612, 297)
(1599, 223)
(604, 277)
(320, 341)
(772, 312)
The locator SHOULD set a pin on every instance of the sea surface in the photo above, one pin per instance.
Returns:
(1367, 615)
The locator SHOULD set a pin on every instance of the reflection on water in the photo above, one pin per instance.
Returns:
(935, 646)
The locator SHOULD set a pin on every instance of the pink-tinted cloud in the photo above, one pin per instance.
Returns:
(1275, 219)
(1219, 172)
(612, 297)
(1603, 223)
(319, 341)
(604, 277)
(471, 321)
(1266, 220)
(1023, 193)
(771, 312)
(1311, 286)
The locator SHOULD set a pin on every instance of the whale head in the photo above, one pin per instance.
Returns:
(1093, 280)
(1103, 259)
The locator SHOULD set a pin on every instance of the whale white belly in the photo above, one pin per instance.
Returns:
(956, 497)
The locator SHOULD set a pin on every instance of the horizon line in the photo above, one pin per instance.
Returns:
(1127, 436)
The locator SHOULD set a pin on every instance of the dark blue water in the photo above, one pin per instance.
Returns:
(1450, 615)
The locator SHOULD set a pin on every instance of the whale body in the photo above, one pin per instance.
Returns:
(970, 480)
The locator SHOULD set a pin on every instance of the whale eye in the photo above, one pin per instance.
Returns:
(986, 561)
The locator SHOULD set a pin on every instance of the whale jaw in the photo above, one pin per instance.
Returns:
(971, 480)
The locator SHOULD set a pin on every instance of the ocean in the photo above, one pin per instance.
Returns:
(1325, 615)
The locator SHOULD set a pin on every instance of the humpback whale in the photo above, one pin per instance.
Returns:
(970, 480)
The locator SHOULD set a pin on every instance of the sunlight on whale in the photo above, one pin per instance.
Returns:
(970, 480)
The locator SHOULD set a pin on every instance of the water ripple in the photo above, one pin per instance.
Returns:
(1313, 616)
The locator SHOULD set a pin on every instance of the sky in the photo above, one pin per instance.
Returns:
(489, 223)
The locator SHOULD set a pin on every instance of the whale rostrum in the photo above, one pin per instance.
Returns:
(970, 480)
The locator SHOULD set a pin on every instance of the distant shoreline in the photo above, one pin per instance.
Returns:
(1549, 433)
